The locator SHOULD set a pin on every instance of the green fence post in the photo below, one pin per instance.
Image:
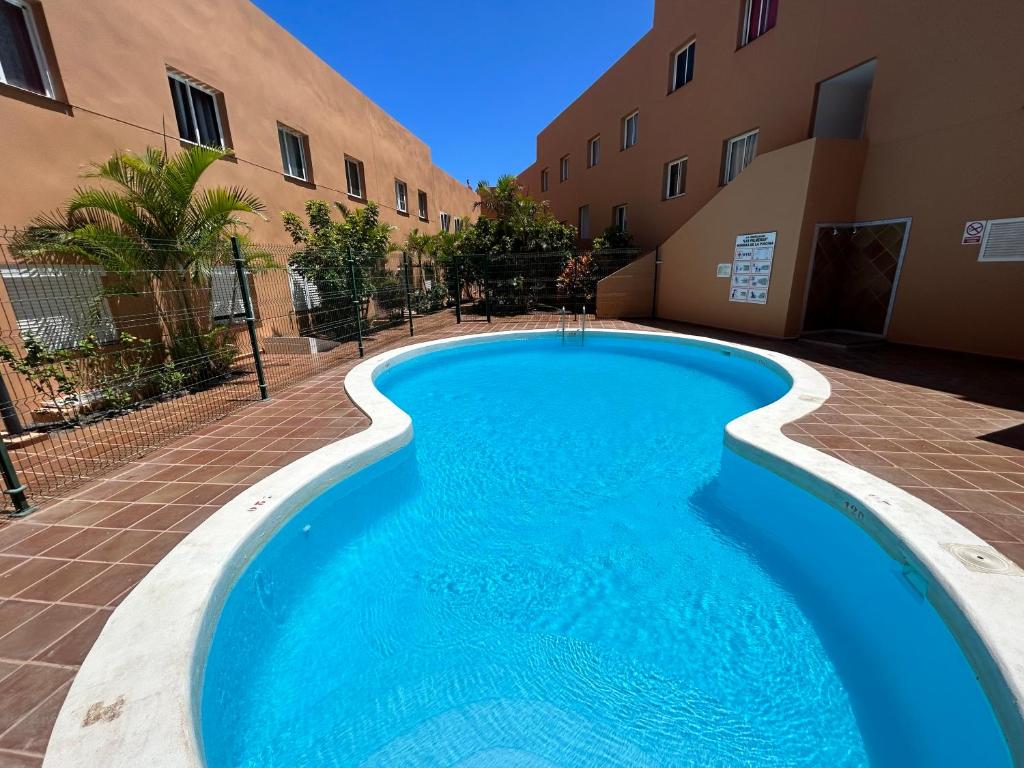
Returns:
(250, 318)
(355, 301)
(407, 263)
(487, 287)
(458, 292)
(14, 488)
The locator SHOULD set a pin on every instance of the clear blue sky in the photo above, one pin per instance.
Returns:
(476, 80)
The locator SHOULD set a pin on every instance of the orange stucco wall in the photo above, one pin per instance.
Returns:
(111, 58)
(786, 192)
(943, 141)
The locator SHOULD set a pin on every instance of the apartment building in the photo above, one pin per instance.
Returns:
(81, 80)
(811, 167)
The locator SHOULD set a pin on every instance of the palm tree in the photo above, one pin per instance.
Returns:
(153, 231)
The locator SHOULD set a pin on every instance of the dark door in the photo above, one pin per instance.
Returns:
(853, 277)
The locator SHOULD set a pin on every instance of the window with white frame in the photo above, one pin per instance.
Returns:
(620, 218)
(739, 153)
(401, 196)
(59, 305)
(758, 17)
(675, 178)
(593, 152)
(544, 182)
(293, 153)
(563, 169)
(196, 111)
(305, 295)
(354, 177)
(458, 224)
(584, 222)
(446, 222)
(226, 304)
(1003, 240)
(630, 130)
(422, 200)
(22, 61)
(682, 66)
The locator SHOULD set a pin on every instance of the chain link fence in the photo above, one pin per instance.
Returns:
(98, 367)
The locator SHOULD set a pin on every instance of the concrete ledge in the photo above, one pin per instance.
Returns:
(136, 699)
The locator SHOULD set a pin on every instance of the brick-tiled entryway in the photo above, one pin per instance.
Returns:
(939, 425)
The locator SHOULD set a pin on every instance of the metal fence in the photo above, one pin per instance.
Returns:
(100, 365)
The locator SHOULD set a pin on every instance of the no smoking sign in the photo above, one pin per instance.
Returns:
(973, 230)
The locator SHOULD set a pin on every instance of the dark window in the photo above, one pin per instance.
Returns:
(354, 177)
(758, 17)
(544, 183)
(675, 178)
(423, 204)
(21, 58)
(293, 153)
(195, 109)
(682, 67)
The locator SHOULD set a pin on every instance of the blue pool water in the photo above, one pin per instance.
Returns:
(563, 569)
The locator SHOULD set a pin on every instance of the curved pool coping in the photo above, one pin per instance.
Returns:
(137, 697)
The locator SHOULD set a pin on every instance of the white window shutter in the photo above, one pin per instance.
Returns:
(59, 305)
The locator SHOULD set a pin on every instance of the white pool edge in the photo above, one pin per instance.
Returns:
(136, 699)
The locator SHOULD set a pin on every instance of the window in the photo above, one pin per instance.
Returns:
(354, 177)
(739, 153)
(422, 197)
(675, 178)
(195, 109)
(305, 295)
(584, 222)
(563, 169)
(446, 222)
(458, 224)
(293, 153)
(401, 196)
(1003, 240)
(593, 152)
(620, 219)
(758, 17)
(682, 66)
(22, 63)
(226, 303)
(544, 180)
(630, 130)
(59, 305)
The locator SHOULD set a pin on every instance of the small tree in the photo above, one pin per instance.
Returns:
(155, 232)
(326, 244)
(577, 285)
(613, 239)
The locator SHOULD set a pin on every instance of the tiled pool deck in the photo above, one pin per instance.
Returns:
(945, 427)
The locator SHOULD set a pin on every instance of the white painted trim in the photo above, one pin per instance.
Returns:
(37, 52)
(190, 83)
(136, 699)
(672, 87)
(284, 129)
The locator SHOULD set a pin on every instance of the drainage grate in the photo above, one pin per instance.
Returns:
(981, 559)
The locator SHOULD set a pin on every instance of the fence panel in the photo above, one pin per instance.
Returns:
(102, 362)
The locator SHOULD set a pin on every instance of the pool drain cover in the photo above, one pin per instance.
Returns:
(981, 559)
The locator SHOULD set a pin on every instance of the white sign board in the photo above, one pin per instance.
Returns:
(973, 230)
(752, 268)
(724, 270)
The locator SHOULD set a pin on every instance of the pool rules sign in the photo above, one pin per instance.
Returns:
(752, 268)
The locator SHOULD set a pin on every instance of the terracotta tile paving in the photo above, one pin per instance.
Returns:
(945, 427)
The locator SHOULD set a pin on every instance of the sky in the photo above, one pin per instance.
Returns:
(476, 80)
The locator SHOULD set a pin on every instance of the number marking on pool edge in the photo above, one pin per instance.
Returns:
(854, 510)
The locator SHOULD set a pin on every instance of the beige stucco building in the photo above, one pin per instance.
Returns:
(864, 138)
(82, 80)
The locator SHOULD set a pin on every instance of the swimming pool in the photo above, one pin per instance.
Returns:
(853, 589)
(561, 569)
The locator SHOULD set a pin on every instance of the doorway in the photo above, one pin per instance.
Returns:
(854, 275)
